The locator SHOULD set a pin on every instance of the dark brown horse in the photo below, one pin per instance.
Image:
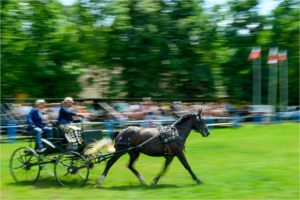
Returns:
(134, 136)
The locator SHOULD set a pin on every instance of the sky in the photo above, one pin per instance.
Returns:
(265, 6)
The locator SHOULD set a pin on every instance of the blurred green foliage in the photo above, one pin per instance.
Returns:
(39, 55)
(151, 48)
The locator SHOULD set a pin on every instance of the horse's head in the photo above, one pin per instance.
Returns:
(200, 125)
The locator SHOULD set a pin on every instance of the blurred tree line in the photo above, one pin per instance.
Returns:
(171, 48)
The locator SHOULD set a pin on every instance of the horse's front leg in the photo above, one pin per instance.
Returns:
(184, 162)
(110, 163)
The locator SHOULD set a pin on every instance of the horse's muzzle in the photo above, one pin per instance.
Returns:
(206, 133)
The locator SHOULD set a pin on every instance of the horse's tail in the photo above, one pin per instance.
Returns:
(93, 148)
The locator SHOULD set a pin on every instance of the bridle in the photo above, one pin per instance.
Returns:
(197, 120)
(201, 127)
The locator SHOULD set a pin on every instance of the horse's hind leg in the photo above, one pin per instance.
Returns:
(110, 163)
(168, 161)
(133, 156)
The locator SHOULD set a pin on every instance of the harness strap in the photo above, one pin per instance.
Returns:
(130, 137)
(119, 141)
(161, 142)
(183, 127)
(162, 137)
(175, 128)
(181, 135)
(173, 134)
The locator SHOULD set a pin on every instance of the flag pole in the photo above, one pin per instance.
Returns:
(273, 76)
(255, 57)
(283, 77)
(257, 81)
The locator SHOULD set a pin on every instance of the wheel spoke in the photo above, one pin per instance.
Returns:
(66, 174)
(64, 165)
(20, 158)
(79, 173)
(28, 159)
(18, 167)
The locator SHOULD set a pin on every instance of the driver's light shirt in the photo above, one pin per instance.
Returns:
(40, 114)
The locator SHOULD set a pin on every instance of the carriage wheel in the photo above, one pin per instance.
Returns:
(71, 169)
(25, 165)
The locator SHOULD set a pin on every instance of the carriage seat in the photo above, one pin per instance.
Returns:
(27, 133)
(56, 130)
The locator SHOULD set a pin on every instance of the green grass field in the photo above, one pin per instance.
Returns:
(250, 162)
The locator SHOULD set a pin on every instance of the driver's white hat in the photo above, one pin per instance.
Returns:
(39, 101)
(68, 99)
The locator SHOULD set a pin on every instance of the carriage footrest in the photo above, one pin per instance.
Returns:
(71, 147)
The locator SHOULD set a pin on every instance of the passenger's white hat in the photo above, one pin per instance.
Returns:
(68, 99)
(39, 101)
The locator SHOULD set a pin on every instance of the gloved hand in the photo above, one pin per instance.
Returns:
(32, 126)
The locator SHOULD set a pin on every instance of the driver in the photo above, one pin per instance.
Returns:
(36, 124)
(72, 133)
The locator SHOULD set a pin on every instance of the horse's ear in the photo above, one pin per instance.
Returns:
(199, 112)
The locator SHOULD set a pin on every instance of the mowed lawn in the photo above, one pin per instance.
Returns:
(250, 162)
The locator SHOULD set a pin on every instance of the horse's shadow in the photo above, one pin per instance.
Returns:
(138, 187)
(50, 182)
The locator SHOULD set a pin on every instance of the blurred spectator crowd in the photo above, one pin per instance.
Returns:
(123, 111)
(132, 111)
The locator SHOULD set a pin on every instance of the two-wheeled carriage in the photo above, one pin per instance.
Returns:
(59, 159)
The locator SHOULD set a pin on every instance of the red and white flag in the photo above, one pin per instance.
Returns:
(273, 57)
(255, 53)
(282, 56)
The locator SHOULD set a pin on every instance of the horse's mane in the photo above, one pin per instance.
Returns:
(183, 118)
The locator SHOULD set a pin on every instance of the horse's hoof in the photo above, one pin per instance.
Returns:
(154, 182)
(144, 183)
(199, 181)
(98, 182)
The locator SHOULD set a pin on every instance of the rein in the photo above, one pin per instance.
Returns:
(183, 127)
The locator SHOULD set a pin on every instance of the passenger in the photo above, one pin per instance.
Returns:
(73, 133)
(36, 125)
